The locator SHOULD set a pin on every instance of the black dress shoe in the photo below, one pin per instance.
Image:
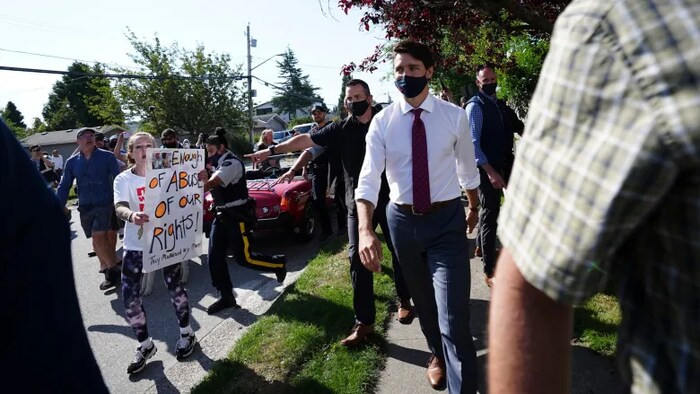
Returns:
(222, 303)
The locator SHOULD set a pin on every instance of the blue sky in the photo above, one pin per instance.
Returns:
(94, 31)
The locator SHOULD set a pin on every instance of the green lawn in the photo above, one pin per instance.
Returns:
(596, 323)
(295, 347)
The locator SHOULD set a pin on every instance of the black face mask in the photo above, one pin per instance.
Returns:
(411, 87)
(489, 88)
(214, 160)
(358, 108)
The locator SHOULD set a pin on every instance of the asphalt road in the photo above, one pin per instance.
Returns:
(113, 341)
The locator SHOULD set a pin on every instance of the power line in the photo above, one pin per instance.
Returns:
(118, 76)
(131, 67)
(45, 55)
(62, 57)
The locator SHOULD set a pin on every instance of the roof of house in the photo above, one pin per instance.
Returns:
(64, 136)
(262, 120)
(265, 104)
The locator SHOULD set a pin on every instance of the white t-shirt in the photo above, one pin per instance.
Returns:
(131, 188)
(57, 161)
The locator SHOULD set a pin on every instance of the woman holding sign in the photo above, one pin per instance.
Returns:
(233, 213)
(129, 191)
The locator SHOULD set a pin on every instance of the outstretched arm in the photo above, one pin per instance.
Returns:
(298, 142)
(302, 161)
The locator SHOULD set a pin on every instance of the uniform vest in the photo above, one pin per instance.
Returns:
(493, 134)
(234, 191)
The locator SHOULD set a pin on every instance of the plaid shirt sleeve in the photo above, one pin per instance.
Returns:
(604, 143)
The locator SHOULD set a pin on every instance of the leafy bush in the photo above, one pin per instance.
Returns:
(239, 143)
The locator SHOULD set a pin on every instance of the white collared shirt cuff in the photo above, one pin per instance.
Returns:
(367, 195)
(471, 183)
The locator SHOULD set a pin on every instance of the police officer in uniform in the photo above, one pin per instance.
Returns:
(234, 214)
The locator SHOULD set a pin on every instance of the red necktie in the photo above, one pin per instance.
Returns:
(421, 177)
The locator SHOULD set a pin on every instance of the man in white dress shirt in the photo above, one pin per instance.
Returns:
(424, 145)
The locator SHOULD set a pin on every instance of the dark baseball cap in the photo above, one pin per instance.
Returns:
(86, 130)
(320, 108)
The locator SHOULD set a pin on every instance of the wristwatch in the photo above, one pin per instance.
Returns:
(474, 209)
(272, 150)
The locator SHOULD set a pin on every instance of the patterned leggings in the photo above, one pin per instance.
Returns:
(132, 266)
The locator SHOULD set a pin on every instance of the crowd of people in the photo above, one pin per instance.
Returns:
(109, 181)
(604, 193)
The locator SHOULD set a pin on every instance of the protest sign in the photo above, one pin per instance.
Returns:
(174, 204)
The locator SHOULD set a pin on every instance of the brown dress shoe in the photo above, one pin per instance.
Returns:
(477, 252)
(406, 314)
(489, 280)
(358, 335)
(436, 373)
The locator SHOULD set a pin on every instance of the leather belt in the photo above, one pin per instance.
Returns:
(434, 207)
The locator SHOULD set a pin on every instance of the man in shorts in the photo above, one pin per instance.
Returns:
(94, 171)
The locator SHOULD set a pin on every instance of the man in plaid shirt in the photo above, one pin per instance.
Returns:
(610, 190)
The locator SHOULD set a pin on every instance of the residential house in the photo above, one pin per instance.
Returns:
(269, 121)
(64, 141)
(268, 109)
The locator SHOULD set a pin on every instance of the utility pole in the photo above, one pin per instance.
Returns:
(250, 85)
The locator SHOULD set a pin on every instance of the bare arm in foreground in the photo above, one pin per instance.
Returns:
(529, 336)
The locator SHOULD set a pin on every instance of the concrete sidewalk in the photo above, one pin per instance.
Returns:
(405, 370)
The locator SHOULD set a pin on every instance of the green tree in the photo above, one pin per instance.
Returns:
(296, 91)
(12, 114)
(512, 34)
(342, 112)
(38, 126)
(518, 60)
(82, 98)
(18, 131)
(187, 90)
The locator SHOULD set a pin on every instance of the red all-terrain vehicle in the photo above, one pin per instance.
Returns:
(278, 206)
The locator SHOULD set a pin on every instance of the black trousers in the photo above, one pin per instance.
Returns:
(490, 200)
(225, 232)
(337, 179)
(319, 184)
(362, 280)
